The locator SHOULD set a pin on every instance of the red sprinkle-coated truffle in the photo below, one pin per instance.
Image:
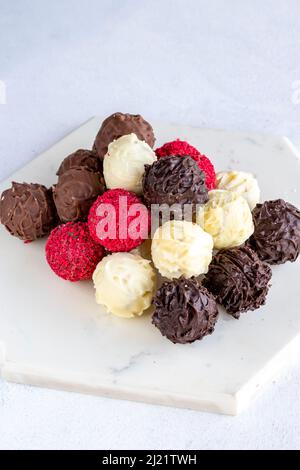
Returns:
(181, 148)
(119, 220)
(71, 252)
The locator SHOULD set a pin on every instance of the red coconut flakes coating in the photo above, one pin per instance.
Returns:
(182, 148)
(71, 252)
(116, 243)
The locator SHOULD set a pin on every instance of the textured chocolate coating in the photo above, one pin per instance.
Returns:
(75, 192)
(184, 311)
(174, 180)
(27, 210)
(276, 237)
(238, 279)
(119, 124)
(85, 159)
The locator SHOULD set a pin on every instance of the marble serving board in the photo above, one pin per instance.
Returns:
(53, 334)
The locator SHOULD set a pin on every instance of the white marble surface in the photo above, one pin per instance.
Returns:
(216, 64)
(54, 334)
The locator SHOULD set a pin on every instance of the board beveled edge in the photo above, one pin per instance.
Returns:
(220, 403)
(287, 141)
(2, 356)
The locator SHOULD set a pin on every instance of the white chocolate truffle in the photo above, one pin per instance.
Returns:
(181, 248)
(125, 284)
(243, 184)
(124, 163)
(227, 217)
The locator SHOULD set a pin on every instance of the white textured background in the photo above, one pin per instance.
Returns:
(215, 63)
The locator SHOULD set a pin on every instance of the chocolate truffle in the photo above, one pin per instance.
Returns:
(184, 311)
(181, 248)
(119, 124)
(75, 193)
(27, 210)
(227, 218)
(174, 180)
(238, 279)
(125, 284)
(276, 237)
(241, 183)
(85, 159)
(124, 163)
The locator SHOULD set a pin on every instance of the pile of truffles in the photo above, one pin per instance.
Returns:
(100, 219)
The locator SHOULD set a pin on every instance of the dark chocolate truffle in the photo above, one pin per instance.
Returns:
(27, 210)
(85, 159)
(75, 193)
(184, 310)
(119, 124)
(276, 237)
(238, 279)
(174, 180)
